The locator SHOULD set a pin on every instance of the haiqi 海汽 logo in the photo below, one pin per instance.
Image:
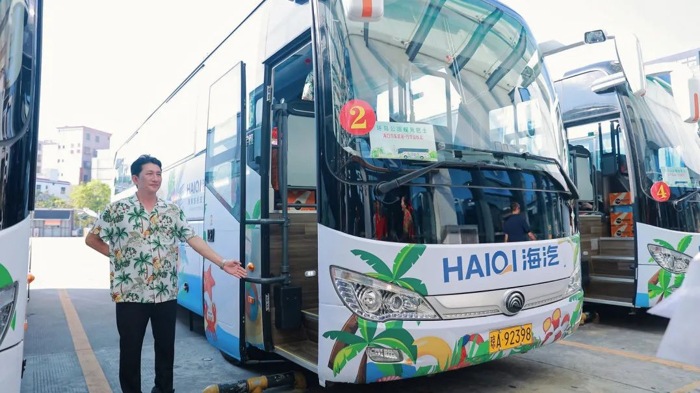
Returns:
(500, 262)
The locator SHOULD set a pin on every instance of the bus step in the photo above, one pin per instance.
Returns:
(612, 265)
(615, 279)
(303, 353)
(616, 246)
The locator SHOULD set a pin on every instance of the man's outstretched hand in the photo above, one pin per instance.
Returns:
(235, 269)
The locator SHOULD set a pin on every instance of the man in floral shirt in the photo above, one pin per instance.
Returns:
(141, 235)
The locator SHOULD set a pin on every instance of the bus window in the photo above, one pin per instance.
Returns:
(253, 134)
(290, 83)
(223, 162)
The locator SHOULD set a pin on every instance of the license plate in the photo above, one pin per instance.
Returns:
(511, 337)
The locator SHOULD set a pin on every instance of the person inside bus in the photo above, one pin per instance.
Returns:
(379, 222)
(516, 227)
(140, 235)
(409, 231)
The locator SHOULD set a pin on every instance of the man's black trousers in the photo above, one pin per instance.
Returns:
(132, 319)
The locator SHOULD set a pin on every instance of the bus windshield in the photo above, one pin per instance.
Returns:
(462, 76)
(668, 148)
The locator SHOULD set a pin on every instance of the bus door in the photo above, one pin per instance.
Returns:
(584, 175)
(598, 150)
(225, 189)
(292, 247)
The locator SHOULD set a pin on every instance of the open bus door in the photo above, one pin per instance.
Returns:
(289, 220)
(224, 211)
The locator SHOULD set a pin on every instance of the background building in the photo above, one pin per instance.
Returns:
(71, 153)
(53, 187)
(52, 223)
(103, 167)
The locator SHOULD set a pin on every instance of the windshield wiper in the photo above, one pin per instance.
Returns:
(528, 156)
(387, 186)
(685, 198)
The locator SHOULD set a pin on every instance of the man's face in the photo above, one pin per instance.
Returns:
(149, 179)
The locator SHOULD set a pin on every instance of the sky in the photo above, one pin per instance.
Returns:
(108, 65)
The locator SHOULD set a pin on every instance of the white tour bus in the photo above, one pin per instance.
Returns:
(636, 161)
(20, 62)
(282, 147)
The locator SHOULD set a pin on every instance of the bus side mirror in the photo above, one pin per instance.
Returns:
(686, 93)
(629, 53)
(364, 10)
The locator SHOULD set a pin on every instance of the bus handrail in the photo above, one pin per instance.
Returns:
(266, 281)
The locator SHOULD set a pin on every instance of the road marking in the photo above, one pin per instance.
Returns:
(632, 355)
(94, 376)
(688, 388)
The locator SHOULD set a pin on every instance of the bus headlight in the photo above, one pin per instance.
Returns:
(8, 299)
(671, 260)
(574, 281)
(377, 300)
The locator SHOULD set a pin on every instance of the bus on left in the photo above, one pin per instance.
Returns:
(20, 64)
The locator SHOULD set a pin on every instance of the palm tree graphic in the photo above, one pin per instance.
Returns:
(395, 336)
(137, 217)
(162, 290)
(142, 262)
(123, 278)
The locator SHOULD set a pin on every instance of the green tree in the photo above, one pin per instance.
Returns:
(46, 201)
(93, 195)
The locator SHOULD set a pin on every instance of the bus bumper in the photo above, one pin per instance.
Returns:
(11, 360)
(437, 346)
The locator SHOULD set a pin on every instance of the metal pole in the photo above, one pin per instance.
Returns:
(282, 168)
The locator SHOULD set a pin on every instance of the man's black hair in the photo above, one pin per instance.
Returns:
(514, 206)
(141, 161)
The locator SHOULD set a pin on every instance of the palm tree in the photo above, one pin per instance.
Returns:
(137, 216)
(394, 337)
(157, 245)
(123, 278)
(109, 234)
(119, 234)
(141, 262)
(162, 290)
(405, 259)
(143, 272)
(173, 276)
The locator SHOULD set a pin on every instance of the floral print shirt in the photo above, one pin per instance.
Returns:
(143, 249)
